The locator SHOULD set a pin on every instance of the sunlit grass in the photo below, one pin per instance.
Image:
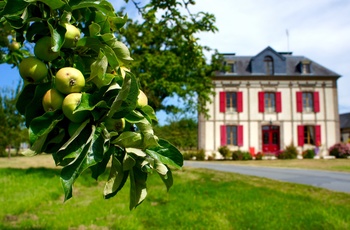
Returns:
(199, 199)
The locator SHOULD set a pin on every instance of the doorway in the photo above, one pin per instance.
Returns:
(271, 138)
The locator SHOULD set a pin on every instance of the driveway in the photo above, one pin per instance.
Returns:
(336, 181)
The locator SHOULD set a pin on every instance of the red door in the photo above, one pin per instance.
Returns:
(271, 138)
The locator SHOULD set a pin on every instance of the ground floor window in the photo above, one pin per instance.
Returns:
(309, 134)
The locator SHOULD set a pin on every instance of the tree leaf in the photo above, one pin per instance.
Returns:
(128, 139)
(138, 188)
(103, 6)
(166, 153)
(25, 97)
(13, 8)
(115, 179)
(91, 154)
(57, 36)
(167, 179)
(126, 99)
(53, 4)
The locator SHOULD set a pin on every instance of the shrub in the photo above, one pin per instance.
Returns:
(224, 151)
(187, 155)
(241, 155)
(259, 156)
(290, 152)
(339, 150)
(200, 155)
(309, 154)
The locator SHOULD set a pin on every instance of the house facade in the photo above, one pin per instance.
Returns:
(266, 102)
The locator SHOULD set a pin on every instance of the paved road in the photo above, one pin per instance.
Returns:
(336, 181)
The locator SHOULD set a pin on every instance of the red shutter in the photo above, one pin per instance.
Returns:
(300, 135)
(278, 102)
(223, 135)
(240, 135)
(316, 102)
(239, 102)
(222, 102)
(299, 102)
(261, 102)
(317, 135)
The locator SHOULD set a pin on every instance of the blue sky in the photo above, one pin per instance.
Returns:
(318, 29)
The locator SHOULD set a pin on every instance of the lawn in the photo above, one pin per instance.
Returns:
(32, 198)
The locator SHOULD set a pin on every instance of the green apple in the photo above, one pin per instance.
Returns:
(69, 80)
(43, 51)
(13, 46)
(142, 100)
(114, 124)
(70, 103)
(71, 36)
(32, 69)
(52, 100)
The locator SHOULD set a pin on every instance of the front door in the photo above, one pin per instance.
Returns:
(271, 138)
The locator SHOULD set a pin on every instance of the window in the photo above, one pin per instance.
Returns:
(228, 67)
(308, 102)
(231, 102)
(309, 134)
(268, 65)
(232, 135)
(305, 67)
(270, 102)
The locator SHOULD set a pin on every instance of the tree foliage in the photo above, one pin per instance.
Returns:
(180, 132)
(111, 92)
(13, 132)
(169, 57)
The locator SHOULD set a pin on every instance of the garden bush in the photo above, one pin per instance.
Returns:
(290, 152)
(241, 155)
(339, 150)
(309, 154)
(224, 151)
(259, 156)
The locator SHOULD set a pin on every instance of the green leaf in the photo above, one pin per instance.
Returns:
(138, 188)
(94, 29)
(149, 113)
(25, 97)
(57, 36)
(167, 179)
(13, 8)
(128, 162)
(126, 99)
(99, 168)
(89, 102)
(116, 178)
(120, 49)
(35, 106)
(53, 4)
(92, 154)
(103, 6)
(129, 139)
(166, 153)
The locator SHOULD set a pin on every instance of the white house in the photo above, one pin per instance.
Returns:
(265, 102)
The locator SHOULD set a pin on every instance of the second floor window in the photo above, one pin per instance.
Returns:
(270, 102)
(231, 102)
(308, 102)
(232, 135)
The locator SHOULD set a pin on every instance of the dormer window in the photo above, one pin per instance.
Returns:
(268, 65)
(305, 67)
(228, 67)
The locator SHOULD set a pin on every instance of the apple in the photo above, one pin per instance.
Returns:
(71, 36)
(69, 80)
(13, 46)
(32, 69)
(43, 51)
(114, 124)
(70, 103)
(141, 100)
(52, 100)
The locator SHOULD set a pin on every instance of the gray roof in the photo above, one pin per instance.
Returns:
(285, 62)
(344, 120)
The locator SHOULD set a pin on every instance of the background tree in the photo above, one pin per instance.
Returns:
(13, 131)
(181, 132)
(169, 58)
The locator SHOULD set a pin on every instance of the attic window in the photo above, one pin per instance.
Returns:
(268, 65)
(228, 67)
(305, 67)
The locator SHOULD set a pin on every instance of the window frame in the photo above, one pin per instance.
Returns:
(269, 65)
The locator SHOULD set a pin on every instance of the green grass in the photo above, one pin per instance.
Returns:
(200, 199)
